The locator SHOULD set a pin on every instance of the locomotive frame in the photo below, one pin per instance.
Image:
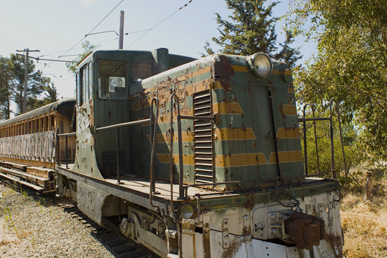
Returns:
(196, 158)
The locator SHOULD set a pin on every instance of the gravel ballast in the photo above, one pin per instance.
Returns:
(34, 226)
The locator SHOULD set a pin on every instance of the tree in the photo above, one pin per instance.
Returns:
(36, 81)
(350, 63)
(5, 93)
(251, 29)
(50, 96)
(12, 78)
(87, 49)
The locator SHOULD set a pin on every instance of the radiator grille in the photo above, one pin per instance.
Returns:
(204, 170)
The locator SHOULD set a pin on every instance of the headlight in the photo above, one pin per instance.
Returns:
(261, 65)
(187, 210)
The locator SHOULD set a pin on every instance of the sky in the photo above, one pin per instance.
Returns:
(57, 28)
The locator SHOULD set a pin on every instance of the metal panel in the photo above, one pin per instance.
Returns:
(36, 146)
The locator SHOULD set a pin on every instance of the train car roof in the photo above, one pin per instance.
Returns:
(125, 51)
(61, 106)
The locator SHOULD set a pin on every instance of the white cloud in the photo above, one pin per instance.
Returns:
(86, 3)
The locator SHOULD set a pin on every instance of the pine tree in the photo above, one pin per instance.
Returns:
(12, 78)
(5, 93)
(251, 29)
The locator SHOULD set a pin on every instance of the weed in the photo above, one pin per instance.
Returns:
(364, 225)
(33, 242)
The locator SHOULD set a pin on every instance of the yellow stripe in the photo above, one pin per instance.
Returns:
(163, 138)
(223, 134)
(217, 85)
(226, 134)
(282, 72)
(290, 110)
(289, 156)
(165, 158)
(227, 108)
(250, 159)
(243, 69)
(288, 133)
(238, 160)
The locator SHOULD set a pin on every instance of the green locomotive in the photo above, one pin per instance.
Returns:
(197, 158)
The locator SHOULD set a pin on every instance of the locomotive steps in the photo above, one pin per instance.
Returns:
(40, 179)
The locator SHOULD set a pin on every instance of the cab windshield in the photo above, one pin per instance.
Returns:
(111, 79)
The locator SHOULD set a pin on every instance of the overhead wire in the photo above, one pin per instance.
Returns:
(149, 30)
(146, 30)
(91, 30)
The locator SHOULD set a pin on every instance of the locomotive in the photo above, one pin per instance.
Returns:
(190, 157)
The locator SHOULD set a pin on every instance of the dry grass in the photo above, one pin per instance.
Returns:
(364, 222)
(6, 242)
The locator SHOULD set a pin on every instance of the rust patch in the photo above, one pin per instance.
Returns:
(233, 248)
(91, 115)
(335, 242)
(223, 71)
(250, 203)
(305, 230)
(281, 110)
(206, 241)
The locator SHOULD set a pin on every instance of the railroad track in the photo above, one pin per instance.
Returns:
(112, 239)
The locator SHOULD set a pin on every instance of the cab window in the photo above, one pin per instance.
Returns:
(84, 84)
(111, 79)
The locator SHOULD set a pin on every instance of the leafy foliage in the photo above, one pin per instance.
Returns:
(12, 77)
(87, 49)
(350, 64)
(50, 95)
(251, 29)
(5, 92)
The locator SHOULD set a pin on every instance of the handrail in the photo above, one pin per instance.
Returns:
(330, 119)
(173, 96)
(152, 188)
(123, 124)
(66, 135)
(117, 126)
(304, 120)
(341, 138)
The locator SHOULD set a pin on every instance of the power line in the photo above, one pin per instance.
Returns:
(91, 30)
(52, 60)
(45, 59)
(149, 30)
(106, 16)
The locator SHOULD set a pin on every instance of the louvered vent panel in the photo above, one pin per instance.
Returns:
(204, 170)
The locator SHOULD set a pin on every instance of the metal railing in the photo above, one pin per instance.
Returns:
(330, 119)
(117, 127)
(66, 135)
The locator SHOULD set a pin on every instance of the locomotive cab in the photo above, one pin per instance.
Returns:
(104, 82)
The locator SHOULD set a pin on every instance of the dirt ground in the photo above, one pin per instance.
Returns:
(34, 227)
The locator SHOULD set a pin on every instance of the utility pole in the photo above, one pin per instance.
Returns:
(27, 51)
(121, 41)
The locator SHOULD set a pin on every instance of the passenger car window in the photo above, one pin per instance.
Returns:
(111, 79)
